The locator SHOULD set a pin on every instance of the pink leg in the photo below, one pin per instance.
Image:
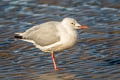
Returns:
(53, 59)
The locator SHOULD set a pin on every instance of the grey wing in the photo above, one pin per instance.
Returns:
(43, 35)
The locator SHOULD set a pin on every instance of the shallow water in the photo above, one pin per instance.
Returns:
(96, 56)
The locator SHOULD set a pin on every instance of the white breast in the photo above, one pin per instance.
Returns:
(68, 37)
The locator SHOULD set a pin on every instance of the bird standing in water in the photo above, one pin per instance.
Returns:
(52, 36)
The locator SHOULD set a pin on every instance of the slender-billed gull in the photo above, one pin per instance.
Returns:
(52, 36)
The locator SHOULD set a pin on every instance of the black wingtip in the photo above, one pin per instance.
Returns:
(18, 36)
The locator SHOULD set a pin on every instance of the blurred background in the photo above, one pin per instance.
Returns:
(96, 56)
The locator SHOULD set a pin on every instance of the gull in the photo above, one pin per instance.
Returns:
(52, 36)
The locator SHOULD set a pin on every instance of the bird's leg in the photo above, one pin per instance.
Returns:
(53, 59)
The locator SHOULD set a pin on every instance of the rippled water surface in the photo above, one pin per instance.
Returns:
(96, 56)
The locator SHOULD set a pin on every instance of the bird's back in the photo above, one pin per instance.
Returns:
(43, 34)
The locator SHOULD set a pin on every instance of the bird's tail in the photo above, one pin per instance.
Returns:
(18, 35)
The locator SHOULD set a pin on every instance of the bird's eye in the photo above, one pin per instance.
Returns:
(72, 23)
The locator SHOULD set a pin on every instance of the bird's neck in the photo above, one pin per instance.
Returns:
(69, 30)
(69, 35)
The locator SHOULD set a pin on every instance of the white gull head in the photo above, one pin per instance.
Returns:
(72, 23)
